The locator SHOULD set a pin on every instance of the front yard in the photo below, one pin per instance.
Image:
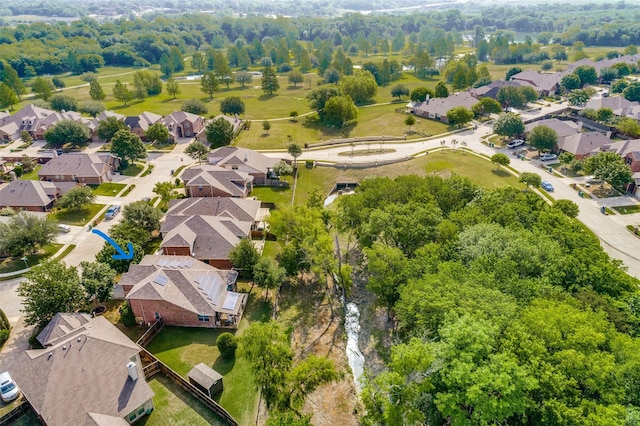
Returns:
(108, 189)
(12, 264)
(77, 217)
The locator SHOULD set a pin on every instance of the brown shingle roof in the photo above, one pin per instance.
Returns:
(241, 209)
(86, 373)
(440, 106)
(80, 165)
(232, 182)
(61, 326)
(227, 156)
(27, 193)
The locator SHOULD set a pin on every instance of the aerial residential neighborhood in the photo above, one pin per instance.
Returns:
(294, 213)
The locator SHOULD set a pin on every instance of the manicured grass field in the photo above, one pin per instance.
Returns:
(175, 406)
(31, 176)
(109, 189)
(133, 170)
(16, 263)
(635, 208)
(79, 218)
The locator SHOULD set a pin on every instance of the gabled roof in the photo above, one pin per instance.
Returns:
(204, 375)
(238, 208)
(80, 165)
(142, 121)
(541, 81)
(562, 128)
(441, 106)
(27, 193)
(614, 102)
(186, 282)
(86, 373)
(215, 236)
(61, 326)
(180, 117)
(491, 90)
(232, 182)
(583, 143)
(605, 63)
(227, 156)
(629, 147)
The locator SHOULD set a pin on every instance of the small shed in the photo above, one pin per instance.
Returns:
(206, 379)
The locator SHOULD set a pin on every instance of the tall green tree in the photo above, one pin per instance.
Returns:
(108, 127)
(10, 78)
(339, 111)
(543, 138)
(441, 90)
(166, 191)
(219, 132)
(530, 179)
(500, 159)
(197, 150)
(508, 124)
(95, 91)
(360, 87)
(142, 215)
(173, 88)
(67, 131)
(24, 234)
(609, 167)
(98, 280)
(243, 78)
(209, 84)
(269, 81)
(128, 147)
(42, 88)
(50, 287)
(244, 257)
(60, 102)
(232, 105)
(221, 68)
(459, 116)
(157, 132)
(77, 198)
(8, 97)
(267, 275)
(122, 93)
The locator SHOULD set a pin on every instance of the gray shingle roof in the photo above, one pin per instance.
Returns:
(204, 375)
(241, 209)
(80, 165)
(27, 193)
(227, 156)
(232, 182)
(61, 326)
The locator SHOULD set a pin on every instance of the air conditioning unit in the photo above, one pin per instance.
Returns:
(132, 368)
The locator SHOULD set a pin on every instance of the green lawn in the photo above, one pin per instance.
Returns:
(635, 208)
(12, 264)
(181, 348)
(269, 194)
(108, 189)
(175, 406)
(31, 176)
(128, 190)
(78, 218)
(133, 169)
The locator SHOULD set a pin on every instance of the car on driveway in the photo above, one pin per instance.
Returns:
(112, 212)
(8, 388)
(64, 228)
(548, 157)
(546, 185)
(515, 143)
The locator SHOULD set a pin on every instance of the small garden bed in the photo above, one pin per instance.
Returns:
(605, 191)
(634, 208)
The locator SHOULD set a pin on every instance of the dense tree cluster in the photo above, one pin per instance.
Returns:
(507, 311)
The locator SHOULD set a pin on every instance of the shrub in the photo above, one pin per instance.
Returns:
(227, 345)
(4, 321)
(126, 315)
(4, 335)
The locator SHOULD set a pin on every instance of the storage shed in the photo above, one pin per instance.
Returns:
(206, 379)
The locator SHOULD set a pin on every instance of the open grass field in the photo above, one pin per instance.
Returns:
(108, 189)
(12, 264)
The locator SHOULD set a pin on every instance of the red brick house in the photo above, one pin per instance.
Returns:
(141, 123)
(215, 181)
(79, 167)
(183, 124)
(32, 195)
(183, 292)
(437, 108)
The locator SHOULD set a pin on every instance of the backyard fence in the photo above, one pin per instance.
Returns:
(16, 413)
(150, 333)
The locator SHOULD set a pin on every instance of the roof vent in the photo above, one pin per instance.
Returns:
(133, 370)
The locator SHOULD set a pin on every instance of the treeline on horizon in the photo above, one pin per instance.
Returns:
(40, 48)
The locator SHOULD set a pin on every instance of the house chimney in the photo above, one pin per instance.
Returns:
(133, 370)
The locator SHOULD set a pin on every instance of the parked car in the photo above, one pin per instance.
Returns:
(548, 157)
(546, 185)
(112, 212)
(8, 388)
(515, 143)
(593, 180)
(64, 228)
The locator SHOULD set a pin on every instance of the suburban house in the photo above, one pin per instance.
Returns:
(95, 123)
(234, 121)
(546, 84)
(89, 373)
(34, 120)
(183, 124)
(618, 104)
(183, 292)
(437, 108)
(140, 124)
(80, 167)
(215, 181)
(629, 150)
(604, 63)
(571, 138)
(244, 160)
(32, 195)
(208, 228)
(491, 89)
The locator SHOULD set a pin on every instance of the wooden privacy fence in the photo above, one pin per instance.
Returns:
(150, 333)
(16, 413)
(157, 366)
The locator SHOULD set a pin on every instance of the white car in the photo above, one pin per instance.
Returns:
(64, 228)
(8, 388)
(548, 157)
(515, 143)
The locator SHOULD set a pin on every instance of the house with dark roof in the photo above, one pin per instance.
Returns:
(89, 373)
(491, 90)
(546, 84)
(245, 210)
(216, 181)
(31, 195)
(183, 292)
(437, 108)
(80, 167)
(604, 63)
(183, 124)
(244, 160)
(140, 124)
(571, 138)
(95, 123)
